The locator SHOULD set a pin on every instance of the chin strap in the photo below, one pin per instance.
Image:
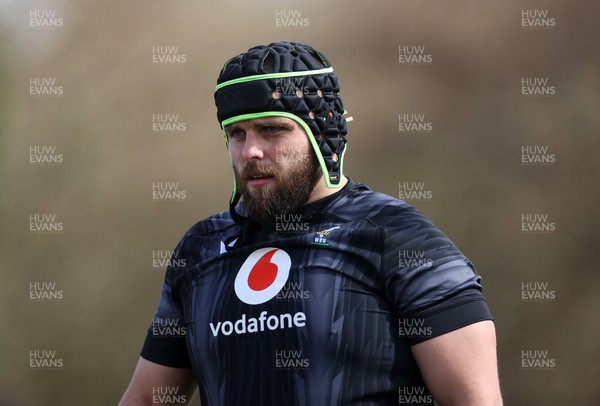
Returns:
(238, 218)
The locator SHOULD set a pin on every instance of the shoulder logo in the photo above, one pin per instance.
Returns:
(320, 237)
(262, 275)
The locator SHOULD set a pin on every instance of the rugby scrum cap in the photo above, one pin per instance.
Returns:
(293, 80)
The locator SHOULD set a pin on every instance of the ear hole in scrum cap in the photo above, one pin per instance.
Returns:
(320, 59)
(268, 63)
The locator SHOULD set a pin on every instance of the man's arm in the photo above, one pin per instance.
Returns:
(460, 367)
(150, 379)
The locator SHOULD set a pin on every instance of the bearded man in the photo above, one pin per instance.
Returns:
(311, 289)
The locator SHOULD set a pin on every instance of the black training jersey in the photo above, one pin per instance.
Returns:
(319, 308)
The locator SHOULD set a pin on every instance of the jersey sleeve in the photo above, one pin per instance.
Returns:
(165, 341)
(433, 286)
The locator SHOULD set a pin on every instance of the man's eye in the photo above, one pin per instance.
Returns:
(271, 129)
(236, 133)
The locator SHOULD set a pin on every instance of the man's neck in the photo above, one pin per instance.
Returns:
(321, 190)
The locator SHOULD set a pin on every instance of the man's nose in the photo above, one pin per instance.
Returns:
(253, 146)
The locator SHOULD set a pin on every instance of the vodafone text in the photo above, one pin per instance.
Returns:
(253, 325)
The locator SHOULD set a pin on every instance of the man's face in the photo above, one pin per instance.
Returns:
(274, 165)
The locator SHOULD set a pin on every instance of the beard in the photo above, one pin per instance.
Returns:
(287, 192)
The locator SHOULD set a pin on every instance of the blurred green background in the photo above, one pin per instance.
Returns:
(102, 56)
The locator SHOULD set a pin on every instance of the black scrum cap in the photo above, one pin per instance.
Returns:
(292, 80)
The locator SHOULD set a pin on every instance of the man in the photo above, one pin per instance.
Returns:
(311, 289)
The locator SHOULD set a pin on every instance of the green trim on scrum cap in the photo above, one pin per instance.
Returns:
(348, 119)
(302, 124)
(273, 76)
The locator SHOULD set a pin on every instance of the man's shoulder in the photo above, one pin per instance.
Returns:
(206, 238)
(361, 202)
(403, 225)
(397, 218)
(211, 226)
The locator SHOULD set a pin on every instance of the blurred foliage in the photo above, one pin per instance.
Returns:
(102, 125)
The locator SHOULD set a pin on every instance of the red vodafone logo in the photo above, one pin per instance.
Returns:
(262, 275)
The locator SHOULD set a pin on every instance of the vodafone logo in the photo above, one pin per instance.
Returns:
(260, 279)
(262, 275)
